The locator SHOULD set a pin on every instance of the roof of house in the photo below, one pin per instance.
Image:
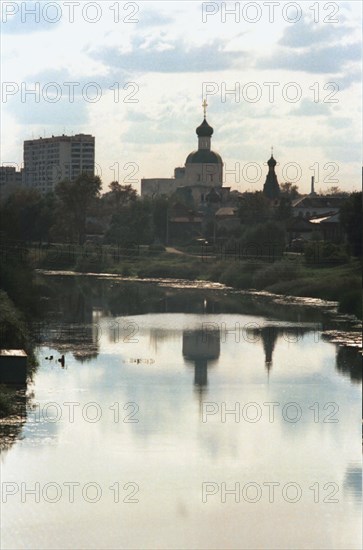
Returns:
(226, 211)
(309, 201)
(334, 218)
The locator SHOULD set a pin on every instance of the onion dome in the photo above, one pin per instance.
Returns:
(272, 162)
(204, 130)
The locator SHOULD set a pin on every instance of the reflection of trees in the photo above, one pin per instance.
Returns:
(349, 362)
(353, 482)
(75, 297)
(85, 356)
(11, 426)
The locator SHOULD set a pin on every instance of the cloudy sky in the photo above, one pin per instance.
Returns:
(134, 74)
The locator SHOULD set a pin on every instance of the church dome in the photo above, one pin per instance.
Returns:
(204, 130)
(272, 162)
(204, 156)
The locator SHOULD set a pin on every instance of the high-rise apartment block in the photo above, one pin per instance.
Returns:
(48, 161)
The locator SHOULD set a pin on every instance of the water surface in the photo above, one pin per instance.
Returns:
(184, 419)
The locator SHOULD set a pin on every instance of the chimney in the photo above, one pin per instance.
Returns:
(312, 185)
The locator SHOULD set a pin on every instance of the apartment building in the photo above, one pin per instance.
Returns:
(48, 161)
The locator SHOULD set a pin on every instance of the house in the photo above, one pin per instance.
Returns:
(311, 206)
(330, 228)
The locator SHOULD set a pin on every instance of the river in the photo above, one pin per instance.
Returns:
(183, 418)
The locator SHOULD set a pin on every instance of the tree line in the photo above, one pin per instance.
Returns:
(77, 210)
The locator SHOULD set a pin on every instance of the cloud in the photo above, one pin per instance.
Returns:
(60, 113)
(70, 85)
(150, 18)
(310, 108)
(176, 58)
(346, 80)
(30, 17)
(323, 59)
(303, 34)
(339, 122)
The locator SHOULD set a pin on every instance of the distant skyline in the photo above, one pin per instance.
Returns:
(161, 65)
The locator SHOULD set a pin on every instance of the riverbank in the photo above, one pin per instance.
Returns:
(290, 276)
(14, 335)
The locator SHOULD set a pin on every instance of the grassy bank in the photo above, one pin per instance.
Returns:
(289, 276)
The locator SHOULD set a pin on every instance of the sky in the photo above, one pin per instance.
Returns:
(285, 75)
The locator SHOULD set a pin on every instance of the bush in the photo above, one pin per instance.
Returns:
(265, 240)
(156, 248)
(92, 262)
(276, 273)
(325, 253)
(13, 331)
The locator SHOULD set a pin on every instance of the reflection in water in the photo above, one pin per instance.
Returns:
(170, 451)
(201, 347)
(353, 482)
(349, 362)
(269, 335)
(11, 427)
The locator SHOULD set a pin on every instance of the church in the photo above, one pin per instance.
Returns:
(201, 175)
(200, 181)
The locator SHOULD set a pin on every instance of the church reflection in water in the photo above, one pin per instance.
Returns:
(201, 347)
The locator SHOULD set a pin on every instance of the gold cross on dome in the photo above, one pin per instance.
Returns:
(272, 150)
(205, 105)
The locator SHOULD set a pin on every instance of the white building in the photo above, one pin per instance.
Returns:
(203, 171)
(48, 161)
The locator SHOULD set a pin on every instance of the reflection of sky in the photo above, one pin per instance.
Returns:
(170, 451)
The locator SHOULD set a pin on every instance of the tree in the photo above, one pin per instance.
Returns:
(27, 216)
(335, 190)
(289, 190)
(160, 207)
(265, 239)
(131, 225)
(254, 208)
(119, 195)
(351, 219)
(76, 198)
(284, 210)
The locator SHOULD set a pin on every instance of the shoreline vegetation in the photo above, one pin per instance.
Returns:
(19, 299)
(291, 275)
